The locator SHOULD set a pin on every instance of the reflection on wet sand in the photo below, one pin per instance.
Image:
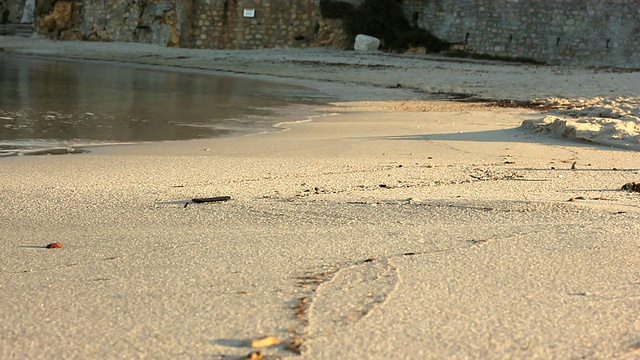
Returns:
(58, 102)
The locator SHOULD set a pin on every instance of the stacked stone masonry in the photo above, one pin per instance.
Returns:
(251, 24)
(585, 33)
(148, 21)
(213, 24)
(568, 32)
(219, 24)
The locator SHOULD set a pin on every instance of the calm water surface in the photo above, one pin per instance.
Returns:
(54, 103)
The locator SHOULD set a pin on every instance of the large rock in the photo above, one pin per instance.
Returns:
(366, 43)
(62, 22)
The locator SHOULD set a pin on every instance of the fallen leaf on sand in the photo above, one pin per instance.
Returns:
(264, 342)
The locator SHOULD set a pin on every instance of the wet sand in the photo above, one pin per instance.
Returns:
(69, 103)
(393, 230)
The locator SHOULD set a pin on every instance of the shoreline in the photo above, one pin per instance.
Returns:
(342, 92)
(594, 105)
(303, 104)
(509, 81)
(396, 229)
(311, 111)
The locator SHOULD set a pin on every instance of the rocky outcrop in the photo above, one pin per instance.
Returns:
(159, 25)
(136, 20)
(62, 22)
(331, 33)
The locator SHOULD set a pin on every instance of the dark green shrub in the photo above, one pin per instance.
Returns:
(335, 9)
(44, 7)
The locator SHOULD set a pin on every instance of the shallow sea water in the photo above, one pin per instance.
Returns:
(51, 103)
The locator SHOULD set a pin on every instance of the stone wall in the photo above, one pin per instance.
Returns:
(586, 33)
(11, 11)
(159, 22)
(251, 24)
(569, 32)
(215, 24)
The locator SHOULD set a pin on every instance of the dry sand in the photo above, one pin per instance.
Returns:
(396, 230)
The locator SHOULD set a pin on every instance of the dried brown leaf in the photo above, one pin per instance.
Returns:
(264, 342)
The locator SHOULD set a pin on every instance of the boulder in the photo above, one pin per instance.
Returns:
(366, 43)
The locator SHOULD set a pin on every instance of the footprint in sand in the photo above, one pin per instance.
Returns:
(351, 294)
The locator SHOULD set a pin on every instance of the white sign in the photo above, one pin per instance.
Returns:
(249, 13)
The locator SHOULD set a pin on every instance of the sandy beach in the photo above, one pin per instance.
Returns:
(390, 226)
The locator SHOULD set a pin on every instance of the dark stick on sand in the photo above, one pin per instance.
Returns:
(206, 200)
